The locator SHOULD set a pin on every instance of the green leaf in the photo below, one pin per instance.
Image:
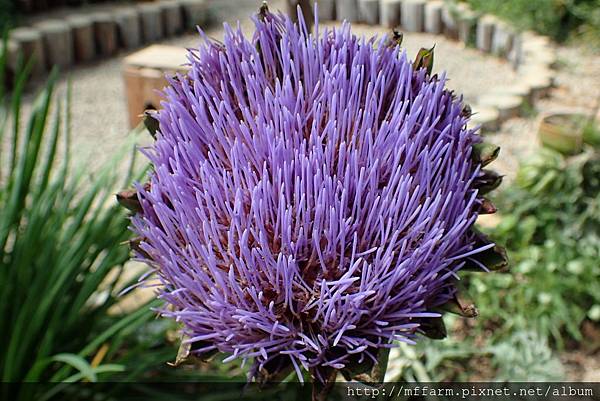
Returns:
(151, 122)
(380, 367)
(85, 369)
(433, 327)
(485, 153)
(60, 249)
(424, 59)
(460, 306)
(487, 181)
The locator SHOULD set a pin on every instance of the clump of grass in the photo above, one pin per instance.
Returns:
(62, 258)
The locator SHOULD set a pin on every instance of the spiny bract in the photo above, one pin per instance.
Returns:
(311, 200)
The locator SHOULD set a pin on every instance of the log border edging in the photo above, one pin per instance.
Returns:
(108, 28)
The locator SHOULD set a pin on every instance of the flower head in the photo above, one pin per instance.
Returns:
(311, 200)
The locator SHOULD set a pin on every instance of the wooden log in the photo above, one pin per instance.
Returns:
(144, 73)
(152, 22)
(485, 117)
(539, 79)
(129, 27)
(133, 93)
(540, 85)
(515, 56)
(485, 33)
(195, 13)
(153, 82)
(105, 32)
(467, 28)
(58, 43)
(389, 12)
(326, 10)
(502, 39)
(369, 11)
(433, 17)
(84, 47)
(413, 15)
(31, 47)
(508, 105)
(172, 16)
(347, 10)
(450, 15)
(520, 88)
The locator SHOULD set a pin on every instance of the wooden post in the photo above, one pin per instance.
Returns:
(347, 10)
(84, 47)
(152, 22)
(172, 17)
(485, 33)
(369, 11)
(153, 82)
(129, 27)
(144, 75)
(194, 13)
(133, 92)
(389, 12)
(58, 43)
(30, 45)
(326, 10)
(433, 17)
(413, 15)
(106, 33)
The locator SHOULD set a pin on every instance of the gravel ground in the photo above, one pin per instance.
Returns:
(98, 109)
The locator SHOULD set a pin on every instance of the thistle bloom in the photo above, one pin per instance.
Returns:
(312, 198)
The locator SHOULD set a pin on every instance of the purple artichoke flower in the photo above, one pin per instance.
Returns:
(312, 199)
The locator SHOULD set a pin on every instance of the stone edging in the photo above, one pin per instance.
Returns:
(80, 37)
(532, 56)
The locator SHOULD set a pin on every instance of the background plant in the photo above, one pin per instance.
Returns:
(557, 18)
(551, 232)
(7, 12)
(552, 236)
(62, 260)
(519, 356)
(550, 226)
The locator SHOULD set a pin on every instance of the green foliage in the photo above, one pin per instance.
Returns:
(591, 134)
(552, 235)
(556, 18)
(587, 11)
(524, 357)
(550, 225)
(407, 363)
(62, 260)
(7, 14)
(435, 361)
(521, 355)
